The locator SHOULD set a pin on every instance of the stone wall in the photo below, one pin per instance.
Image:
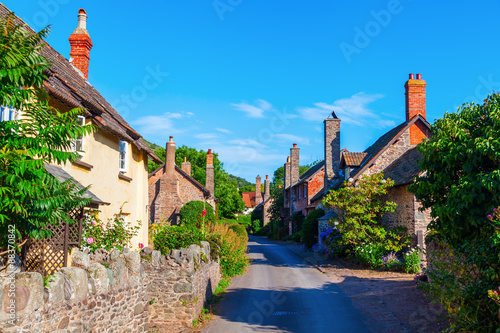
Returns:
(180, 284)
(111, 292)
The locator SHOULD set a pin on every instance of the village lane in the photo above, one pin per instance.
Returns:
(282, 293)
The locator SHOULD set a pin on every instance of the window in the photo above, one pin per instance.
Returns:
(78, 143)
(7, 114)
(299, 190)
(305, 190)
(123, 156)
(347, 173)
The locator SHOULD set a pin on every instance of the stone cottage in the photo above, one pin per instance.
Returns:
(114, 158)
(394, 153)
(253, 199)
(171, 187)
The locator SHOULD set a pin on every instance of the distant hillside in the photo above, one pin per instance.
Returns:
(240, 181)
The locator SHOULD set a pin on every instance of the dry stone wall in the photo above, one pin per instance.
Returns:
(114, 291)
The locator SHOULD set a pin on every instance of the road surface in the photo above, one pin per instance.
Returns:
(281, 293)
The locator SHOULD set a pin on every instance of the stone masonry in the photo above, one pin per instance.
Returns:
(112, 292)
(332, 150)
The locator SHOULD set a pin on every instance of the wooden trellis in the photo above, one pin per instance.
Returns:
(48, 255)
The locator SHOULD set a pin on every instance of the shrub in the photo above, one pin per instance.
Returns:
(310, 228)
(116, 233)
(255, 226)
(412, 264)
(192, 214)
(232, 248)
(239, 229)
(176, 237)
(370, 254)
(331, 240)
(282, 233)
(297, 221)
(257, 215)
(297, 237)
(391, 262)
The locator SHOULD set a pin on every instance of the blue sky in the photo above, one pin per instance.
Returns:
(250, 78)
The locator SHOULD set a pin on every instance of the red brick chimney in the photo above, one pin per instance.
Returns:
(258, 191)
(294, 164)
(209, 179)
(415, 96)
(415, 104)
(170, 158)
(267, 191)
(186, 166)
(287, 172)
(81, 44)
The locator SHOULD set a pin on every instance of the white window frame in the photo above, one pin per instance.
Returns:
(79, 143)
(123, 156)
(7, 114)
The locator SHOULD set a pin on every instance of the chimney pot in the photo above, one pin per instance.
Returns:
(209, 151)
(419, 76)
(171, 139)
(81, 44)
(412, 76)
(294, 145)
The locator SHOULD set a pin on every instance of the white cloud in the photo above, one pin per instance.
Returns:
(290, 138)
(223, 130)
(353, 110)
(247, 143)
(254, 111)
(160, 125)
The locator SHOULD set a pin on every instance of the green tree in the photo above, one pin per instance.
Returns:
(461, 186)
(359, 206)
(30, 197)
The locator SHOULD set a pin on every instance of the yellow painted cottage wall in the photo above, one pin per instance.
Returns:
(102, 152)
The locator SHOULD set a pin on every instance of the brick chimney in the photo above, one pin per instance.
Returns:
(267, 191)
(287, 172)
(81, 44)
(294, 164)
(209, 179)
(258, 191)
(332, 149)
(415, 104)
(170, 158)
(415, 96)
(186, 166)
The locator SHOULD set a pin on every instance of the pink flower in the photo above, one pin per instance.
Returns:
(90, 240)
(489, 216)
(494, 209)
(141, 245)
(93, 222)
(204, 212)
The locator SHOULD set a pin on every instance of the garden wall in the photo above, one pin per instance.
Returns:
(110, 292)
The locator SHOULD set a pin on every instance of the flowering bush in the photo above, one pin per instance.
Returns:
(370, 254)
(412, 264)
(176, 237)
(116, 233)
(391, 262)
(331, 242)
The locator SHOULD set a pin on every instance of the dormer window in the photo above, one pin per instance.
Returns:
(123, 156)
(78, 143)
(7, 114)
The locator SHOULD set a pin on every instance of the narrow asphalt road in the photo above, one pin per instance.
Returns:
(282, 293)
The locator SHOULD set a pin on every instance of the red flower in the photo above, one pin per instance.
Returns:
(204, 212)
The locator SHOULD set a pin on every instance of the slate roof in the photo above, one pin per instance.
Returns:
(66, 84)
(309, 173)
(353, 159)
(63, 176)
(185, 175)
(404, 170)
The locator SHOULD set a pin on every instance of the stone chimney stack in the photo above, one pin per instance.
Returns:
(287, 172)
(186, 166)
(267, 191)
(294, 164)
(170, 158)
(258, 191)
(415, 96)
(209, 180)
(332, 149)
(81, 44)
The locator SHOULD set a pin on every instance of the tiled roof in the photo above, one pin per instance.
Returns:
(309, 173)
(185, 175)
(68, 86)
(249, 198)
(353, 159)
(63, 176)
(404, 170)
